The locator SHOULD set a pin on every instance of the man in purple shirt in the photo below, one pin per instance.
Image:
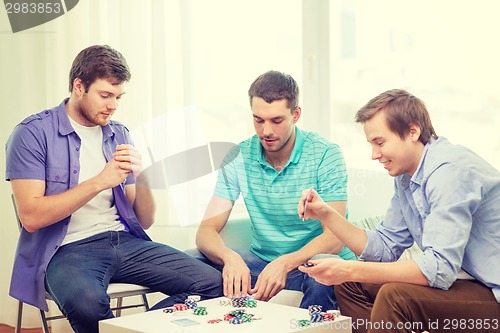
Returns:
(84, 204)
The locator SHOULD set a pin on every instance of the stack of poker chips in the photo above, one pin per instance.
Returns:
(317, 316)
(180, 307)
(239, 302)
(200, 311)
(192, 301)
(237, 312)
(238, 316)
(331, 315)
(251, 303)
(304, 323)
(315, 313)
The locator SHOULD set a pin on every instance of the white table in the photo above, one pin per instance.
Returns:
(275, 318)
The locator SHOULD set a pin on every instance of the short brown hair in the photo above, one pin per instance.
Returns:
(275, 86)
(99, 62)
(401, 109)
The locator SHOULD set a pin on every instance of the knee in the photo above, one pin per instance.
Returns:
(88, 305)
(85, 310)
(211, 285)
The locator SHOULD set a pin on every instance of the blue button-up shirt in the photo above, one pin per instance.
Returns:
(451, 208)
(45, 146)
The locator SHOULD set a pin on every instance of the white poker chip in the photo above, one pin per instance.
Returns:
(195, 298)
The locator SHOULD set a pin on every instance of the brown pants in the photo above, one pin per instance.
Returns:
(468, 306)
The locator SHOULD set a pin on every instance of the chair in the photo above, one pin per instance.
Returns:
(115, 291)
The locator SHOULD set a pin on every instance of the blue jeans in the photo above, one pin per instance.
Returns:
(315, 293)
(79, 273)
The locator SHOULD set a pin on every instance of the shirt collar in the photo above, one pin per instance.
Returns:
(294, 156)
(418, 176)
(65, 127)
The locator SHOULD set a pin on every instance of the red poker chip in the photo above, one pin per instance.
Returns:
(180, 307)
(328, 316)
(228, 316)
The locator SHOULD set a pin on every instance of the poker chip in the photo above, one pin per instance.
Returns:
(200, 311)
(328, 316)
(238, 302)
(170, 309)
(316, 317)
(304, 323)
(180, 307)
(251, 303)
(228, 317)
(246, 317)
(190, 303)
(238, 315)
(237, 312)
(315, 308)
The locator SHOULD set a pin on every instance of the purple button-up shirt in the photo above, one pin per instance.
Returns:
(45, 146)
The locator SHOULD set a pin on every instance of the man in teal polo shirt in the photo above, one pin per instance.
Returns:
(270, 170)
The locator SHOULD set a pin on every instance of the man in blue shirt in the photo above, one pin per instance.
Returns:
(447, 201)
(269, 170)
(84, 204)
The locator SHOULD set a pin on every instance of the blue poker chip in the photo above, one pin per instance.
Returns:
(190, 303)
(316, 317)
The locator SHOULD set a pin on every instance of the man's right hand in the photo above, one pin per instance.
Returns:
(235, 276)
(114, 173)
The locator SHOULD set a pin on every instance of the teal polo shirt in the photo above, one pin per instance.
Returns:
(271, 196)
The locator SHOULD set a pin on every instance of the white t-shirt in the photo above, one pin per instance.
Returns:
(99, 214)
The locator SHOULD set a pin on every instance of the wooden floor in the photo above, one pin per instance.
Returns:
(9, 329)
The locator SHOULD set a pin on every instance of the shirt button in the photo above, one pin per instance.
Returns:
(46, 112)
(74, 171)
(77, 148)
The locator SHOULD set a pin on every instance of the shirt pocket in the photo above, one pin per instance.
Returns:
(57, 175)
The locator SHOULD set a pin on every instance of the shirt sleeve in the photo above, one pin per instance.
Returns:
(453, 194)
(129, 140)
(25, 154)
(332, 175)
(391, 238)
